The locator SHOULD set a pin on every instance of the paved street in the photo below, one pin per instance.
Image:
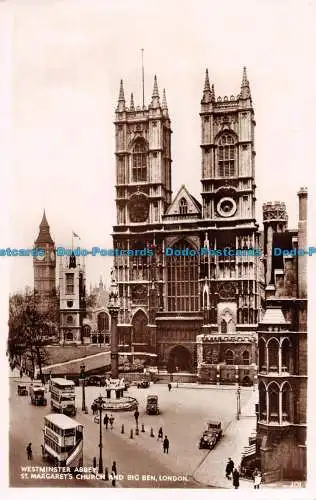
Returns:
(142, 456)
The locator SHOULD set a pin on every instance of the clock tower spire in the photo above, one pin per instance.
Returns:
(44, 266)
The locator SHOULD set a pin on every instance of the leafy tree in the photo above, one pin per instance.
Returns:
(27, 328)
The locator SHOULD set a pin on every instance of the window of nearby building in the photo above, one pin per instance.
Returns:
(246, 357)
(182, 279)
(229, 357)
(226, 155)
(69, 283)
(223, 326)
(139, 162)
(183, 206)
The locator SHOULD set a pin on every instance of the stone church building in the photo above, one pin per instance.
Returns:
(195, 312)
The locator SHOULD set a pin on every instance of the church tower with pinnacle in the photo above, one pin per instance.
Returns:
(45, 266)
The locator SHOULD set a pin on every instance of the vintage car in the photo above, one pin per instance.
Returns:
(22, 390)
(152, 407)
(143, 384)
(211, 435)
(96, 380)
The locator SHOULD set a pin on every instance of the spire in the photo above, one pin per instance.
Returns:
(121, 99)
(207, 82)
(164, 100)
(155, 90)
(155, 102)
(131, 106)
(207, 95)
(44, 233)
(245, 88)
(213, 92)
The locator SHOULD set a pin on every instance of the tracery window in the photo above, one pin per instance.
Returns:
(223, 326)
(182, 279)
(103, 322)
(139, 162)
(226, 155)
(229, 357)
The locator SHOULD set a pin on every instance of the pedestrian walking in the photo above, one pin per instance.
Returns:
(229, 468)
(113, 479)
(114, 468)
(106, 421)
(236, 479)
(136, 415)
(257, 478)
(160, 434)
(94, 463)
(111, 420)
(166, 445)
(169, 387)
(29, 451)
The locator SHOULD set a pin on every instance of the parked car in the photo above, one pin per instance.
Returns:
(211, 435)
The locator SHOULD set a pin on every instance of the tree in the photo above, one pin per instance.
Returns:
(27, 327)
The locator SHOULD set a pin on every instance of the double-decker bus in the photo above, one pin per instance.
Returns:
(63, 441)
(62, 393)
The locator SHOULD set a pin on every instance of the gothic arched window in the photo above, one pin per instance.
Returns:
(86, 331)
(229, 357)
(274, 402)
(103, 322)
(273, 355)
(262, 402)
(183, 206)
(182, 279)
(140, 329)
(139, 162)
(226, 156)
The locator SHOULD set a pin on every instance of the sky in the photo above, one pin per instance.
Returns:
(67, 60)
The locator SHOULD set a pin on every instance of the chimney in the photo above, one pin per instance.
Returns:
(302, 243)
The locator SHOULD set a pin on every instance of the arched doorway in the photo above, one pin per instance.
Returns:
(180, 358)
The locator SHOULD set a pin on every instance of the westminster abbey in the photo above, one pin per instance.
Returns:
(195, 313)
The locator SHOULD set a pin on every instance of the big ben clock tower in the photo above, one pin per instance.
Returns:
(44, 266)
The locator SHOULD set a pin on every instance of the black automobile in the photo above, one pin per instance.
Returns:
(143, 384)
(211, 435)
(96, 380)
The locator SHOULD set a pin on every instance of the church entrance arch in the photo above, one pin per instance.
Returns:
(179, 358)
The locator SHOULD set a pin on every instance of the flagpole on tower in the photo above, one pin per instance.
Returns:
(143, 77)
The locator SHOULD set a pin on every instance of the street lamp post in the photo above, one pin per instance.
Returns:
(99, 402)
(114, 308)
(82, 368)
(238, 402)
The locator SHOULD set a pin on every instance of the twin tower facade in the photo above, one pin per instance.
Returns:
(188, 307)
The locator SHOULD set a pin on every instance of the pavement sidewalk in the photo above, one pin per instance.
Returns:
(211, 471)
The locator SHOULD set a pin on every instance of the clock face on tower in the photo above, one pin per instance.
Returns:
(138, 208)
(40, 257)
(226, 207)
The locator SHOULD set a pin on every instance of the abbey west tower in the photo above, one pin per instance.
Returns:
(230, 293)
(197, 312)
